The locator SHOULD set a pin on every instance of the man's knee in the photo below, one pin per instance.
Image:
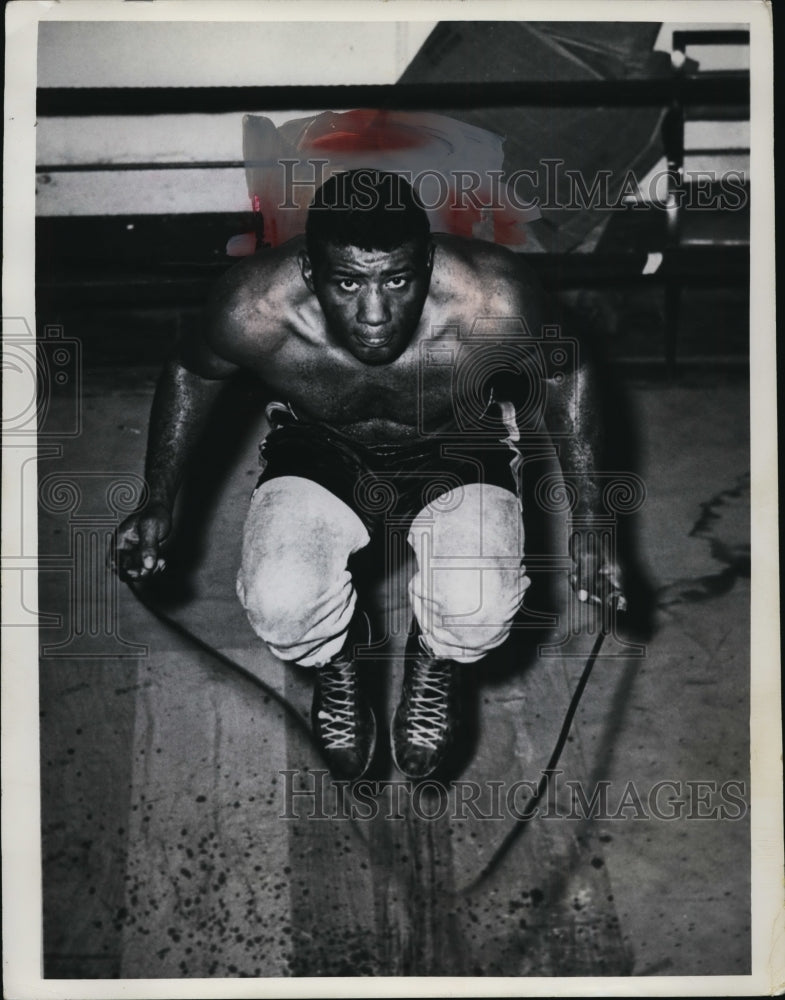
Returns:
(469, 521)
(464, 614)
(300, 616)
(470, 581)
(294, 582)
(277, 611)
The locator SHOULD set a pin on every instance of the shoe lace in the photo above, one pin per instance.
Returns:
(428, 704)
(338, 702)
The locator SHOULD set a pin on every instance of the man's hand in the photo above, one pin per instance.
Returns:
(596, 576)
(138, 540)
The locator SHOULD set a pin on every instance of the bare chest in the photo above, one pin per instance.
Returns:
(396, 401)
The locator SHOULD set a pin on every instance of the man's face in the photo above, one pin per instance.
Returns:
(372, 299)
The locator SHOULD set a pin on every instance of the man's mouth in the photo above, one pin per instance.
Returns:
(380, 339)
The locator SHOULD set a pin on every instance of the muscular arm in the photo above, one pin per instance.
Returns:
(575, 415)
(574, 418)
(181, 407)
(187, 388)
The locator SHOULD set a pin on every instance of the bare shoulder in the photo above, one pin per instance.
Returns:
(242, 321)
(251, 294)
(493, 280)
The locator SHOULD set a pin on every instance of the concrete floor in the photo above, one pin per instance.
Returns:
(165, 853)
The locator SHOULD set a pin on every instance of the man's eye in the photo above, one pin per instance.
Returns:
(348, 285)
(397, 282)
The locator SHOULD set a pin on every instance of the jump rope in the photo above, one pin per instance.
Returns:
(226, 664)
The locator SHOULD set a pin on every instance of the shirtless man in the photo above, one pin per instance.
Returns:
(356, 334)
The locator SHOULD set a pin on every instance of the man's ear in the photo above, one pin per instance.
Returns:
(431, 252)
(306, 269)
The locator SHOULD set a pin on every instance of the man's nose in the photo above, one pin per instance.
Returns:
(373, 309)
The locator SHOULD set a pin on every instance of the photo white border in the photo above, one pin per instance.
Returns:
(22, 927)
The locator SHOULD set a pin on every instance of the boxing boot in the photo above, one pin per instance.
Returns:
(342, 719)
(428, 717)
